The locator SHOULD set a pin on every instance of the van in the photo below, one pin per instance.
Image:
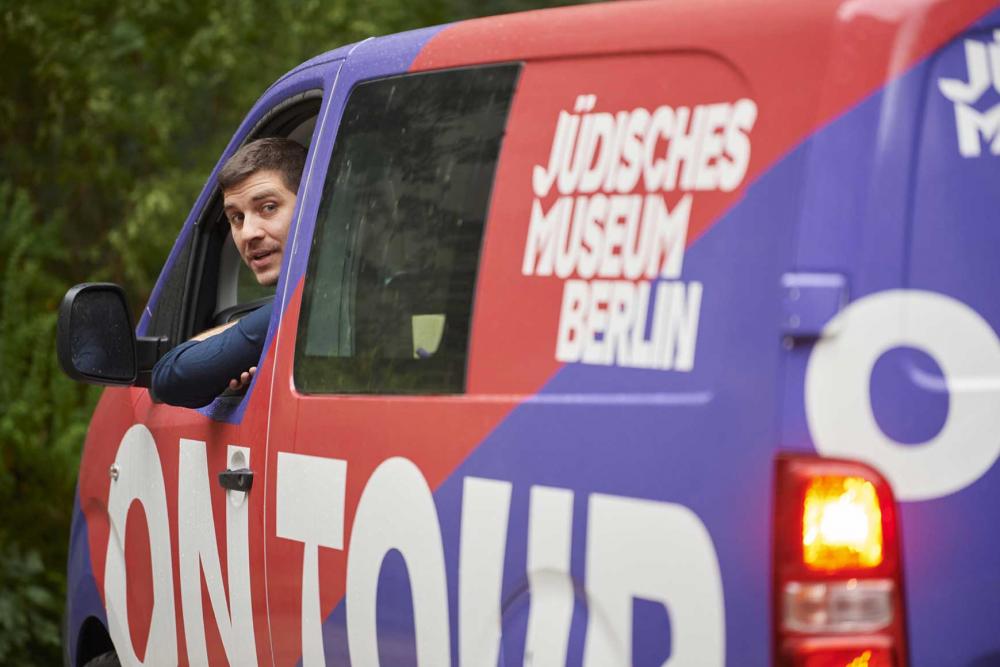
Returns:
(630, 334)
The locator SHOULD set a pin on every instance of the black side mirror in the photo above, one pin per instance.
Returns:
(96, 340)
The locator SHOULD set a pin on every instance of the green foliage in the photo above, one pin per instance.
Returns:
(111, 117)
(42, 422)
(29, 607)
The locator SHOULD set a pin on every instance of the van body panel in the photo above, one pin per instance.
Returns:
(914, 214)
(597, 495)
(552, 412)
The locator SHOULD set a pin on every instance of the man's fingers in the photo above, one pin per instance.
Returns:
(243, 380)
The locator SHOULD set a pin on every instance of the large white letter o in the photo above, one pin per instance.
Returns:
(838, 400)
(141, 480)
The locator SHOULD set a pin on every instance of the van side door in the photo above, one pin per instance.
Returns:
(175, 562)
(369, 411)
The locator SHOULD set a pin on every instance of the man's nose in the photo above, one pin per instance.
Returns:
(253, 227)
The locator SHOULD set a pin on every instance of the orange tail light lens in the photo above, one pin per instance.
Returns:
(841, 524)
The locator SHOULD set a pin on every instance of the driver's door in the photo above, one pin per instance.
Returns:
(178, 560)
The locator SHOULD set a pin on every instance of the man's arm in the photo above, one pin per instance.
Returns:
(192, 374)
(244, 378)
(208, 333)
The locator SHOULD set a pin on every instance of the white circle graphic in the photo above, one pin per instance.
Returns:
(838, 397)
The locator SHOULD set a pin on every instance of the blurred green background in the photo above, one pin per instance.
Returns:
(112, 114)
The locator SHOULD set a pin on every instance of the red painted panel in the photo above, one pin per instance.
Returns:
(140, 578)
(516, 316)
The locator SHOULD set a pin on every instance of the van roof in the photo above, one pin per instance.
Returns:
(804, 63)
(719, 27)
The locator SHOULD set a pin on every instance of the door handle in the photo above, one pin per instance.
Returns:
(809, 302)
(240, 479)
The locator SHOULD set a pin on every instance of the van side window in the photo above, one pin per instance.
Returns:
(388, 293)
(236, 291)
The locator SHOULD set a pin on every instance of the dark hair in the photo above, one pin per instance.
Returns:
(278, 154)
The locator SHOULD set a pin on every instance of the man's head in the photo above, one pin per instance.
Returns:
(258, 185)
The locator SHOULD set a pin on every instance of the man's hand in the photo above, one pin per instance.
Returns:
(243, 380)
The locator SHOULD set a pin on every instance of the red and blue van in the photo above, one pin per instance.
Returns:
(643, 333)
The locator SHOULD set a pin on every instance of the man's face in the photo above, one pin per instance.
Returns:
(259, 209)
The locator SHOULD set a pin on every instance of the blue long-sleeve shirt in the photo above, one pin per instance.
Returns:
(194, 373)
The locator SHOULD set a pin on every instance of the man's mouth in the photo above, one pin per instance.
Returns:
(260, 257)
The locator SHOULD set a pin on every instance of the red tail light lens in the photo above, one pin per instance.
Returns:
(865, 657)
(837, 597)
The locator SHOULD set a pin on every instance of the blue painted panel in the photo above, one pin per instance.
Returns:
(83, 600)
(892, 203)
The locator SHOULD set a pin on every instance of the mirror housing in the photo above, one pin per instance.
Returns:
(96, 340)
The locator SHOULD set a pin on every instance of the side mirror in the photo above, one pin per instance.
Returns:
(96, 340)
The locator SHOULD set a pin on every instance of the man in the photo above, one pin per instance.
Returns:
(258, 186)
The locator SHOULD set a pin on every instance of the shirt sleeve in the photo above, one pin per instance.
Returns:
(192, 374)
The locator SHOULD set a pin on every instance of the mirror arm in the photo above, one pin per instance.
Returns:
(148, 350)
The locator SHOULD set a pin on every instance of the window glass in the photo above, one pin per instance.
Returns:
(392, 269)
(247, 287)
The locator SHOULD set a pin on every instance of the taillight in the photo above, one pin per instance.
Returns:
(838, 587)
(841, 523)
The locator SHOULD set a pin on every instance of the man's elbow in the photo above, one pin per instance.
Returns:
(171, 386)
(171, 392)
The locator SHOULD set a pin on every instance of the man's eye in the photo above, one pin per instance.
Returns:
(236, 220)
(269, 208)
